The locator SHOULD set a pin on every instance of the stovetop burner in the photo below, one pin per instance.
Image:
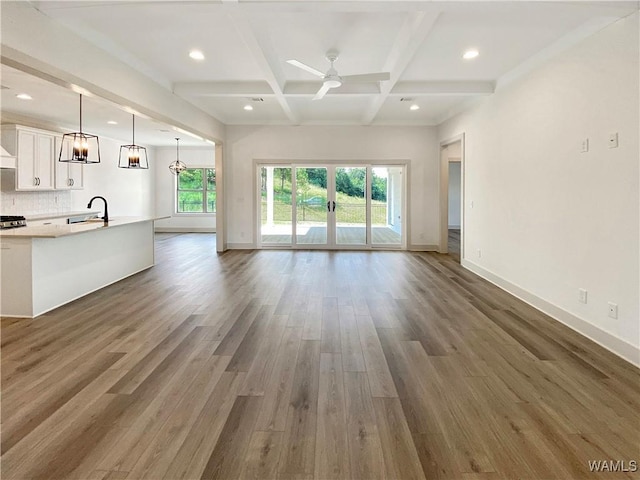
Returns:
(12, 221)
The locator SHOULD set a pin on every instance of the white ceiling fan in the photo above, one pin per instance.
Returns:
(331, 79)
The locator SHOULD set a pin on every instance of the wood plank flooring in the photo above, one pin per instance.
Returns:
(308, 364)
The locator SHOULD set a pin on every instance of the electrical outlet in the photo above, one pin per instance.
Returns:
(582, 295)
(613, 310)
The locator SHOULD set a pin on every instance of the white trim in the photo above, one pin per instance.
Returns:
(241, 246)
(422, 248)
(614, 344)
(444, 193)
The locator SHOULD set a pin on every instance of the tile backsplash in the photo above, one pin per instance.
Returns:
(35, 203)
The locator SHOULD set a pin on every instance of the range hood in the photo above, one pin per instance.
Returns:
(6, 159)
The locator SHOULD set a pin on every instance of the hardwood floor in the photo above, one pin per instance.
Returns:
(454, 244)
(308, 364)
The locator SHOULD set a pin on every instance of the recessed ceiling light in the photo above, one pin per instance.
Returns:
(24, 96)
(196, 55)
(112, 122)
(469, 54)
(248, 108)
(414, 107)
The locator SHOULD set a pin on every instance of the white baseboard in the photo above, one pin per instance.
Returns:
(614, 344)
(422, 248)
(185, 230)
(241, 246)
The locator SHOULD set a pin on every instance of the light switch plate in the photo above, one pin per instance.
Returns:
(584, 146)
(582, 295)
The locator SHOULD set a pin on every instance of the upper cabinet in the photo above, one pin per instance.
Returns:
(37, 166)
(34, 151)
(69, 176)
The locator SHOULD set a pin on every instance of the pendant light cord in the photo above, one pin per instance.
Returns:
(80, 113)
(177, 152)
(133, 130)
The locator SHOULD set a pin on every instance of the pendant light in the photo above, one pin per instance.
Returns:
(177, 167)
(133, 156)
(79, 147)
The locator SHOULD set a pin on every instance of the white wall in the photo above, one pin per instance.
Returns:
(454, 194)
(417, 145)
(165, 188)
(547, 218)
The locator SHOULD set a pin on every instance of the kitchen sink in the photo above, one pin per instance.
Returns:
(84, 219)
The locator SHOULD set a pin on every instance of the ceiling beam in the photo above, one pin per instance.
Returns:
(453, 87)
(263, 55)
(304, 88)
(414, 30)
(223, 89)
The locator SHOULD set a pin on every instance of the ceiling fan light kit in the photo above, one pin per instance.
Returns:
(331, 79)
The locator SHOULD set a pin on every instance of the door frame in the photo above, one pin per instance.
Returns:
(444, 194)
(259, 163)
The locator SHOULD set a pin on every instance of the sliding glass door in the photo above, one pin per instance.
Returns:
(331, 206)
(311, 206)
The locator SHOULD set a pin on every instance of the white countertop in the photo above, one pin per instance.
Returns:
(56, 231)
(47, 216)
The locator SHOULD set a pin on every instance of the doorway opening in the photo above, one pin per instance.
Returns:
(336, 206)
(451, 197)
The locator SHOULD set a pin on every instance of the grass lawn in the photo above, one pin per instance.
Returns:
(348, 209)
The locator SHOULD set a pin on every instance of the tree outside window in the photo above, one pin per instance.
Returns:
(196, 191)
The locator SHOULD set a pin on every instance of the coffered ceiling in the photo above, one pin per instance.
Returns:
(246, 45)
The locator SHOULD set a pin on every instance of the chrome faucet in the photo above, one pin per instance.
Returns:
(106, 209)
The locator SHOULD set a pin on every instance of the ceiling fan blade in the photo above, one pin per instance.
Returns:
(307, 68)
(366, 77)
(322, 92)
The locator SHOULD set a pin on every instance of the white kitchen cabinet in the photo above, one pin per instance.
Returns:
(34, 151)
(47, 221)
(69, 176)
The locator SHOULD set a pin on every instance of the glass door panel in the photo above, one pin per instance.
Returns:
(386, 206)
(311, 206)
(350, 205)
(276, 208)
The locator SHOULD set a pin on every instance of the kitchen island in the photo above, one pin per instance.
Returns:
(44, 267)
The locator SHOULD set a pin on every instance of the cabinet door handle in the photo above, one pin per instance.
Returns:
(73, 182)
(35, 181)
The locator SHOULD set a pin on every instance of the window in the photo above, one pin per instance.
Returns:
(196, 191)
